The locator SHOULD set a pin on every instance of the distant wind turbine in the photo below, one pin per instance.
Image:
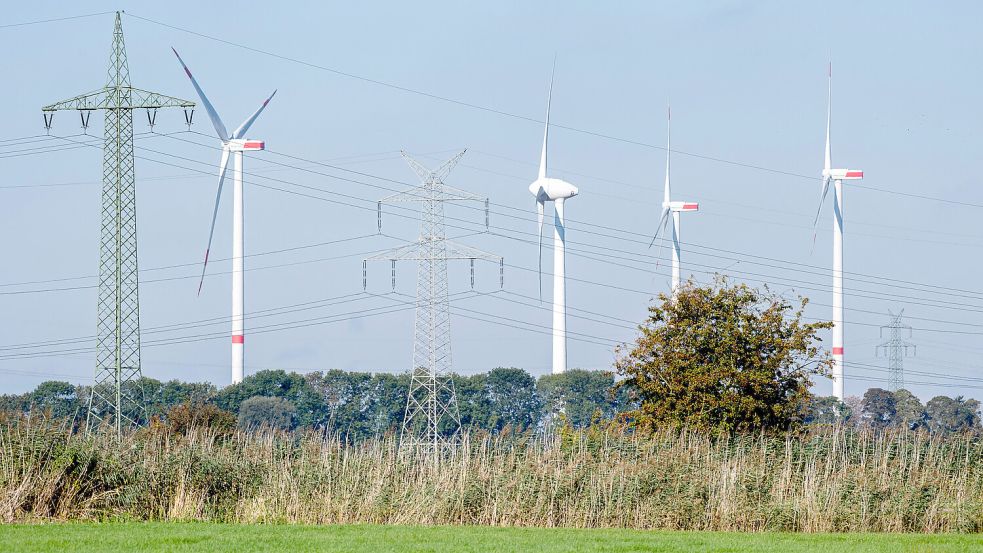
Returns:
(233, 143)
(547, 189)
(671, 207)
(837, 176)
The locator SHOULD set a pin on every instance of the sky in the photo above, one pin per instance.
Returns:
(358, 82)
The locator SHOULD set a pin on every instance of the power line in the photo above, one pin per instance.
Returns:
(643, 238)
(960, 306)
(518, 217)
(398, 306)
(52, 20)
(952, 305)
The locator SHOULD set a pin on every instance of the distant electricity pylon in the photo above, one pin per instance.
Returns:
(896, 348)
(117, 396)
(432, 420)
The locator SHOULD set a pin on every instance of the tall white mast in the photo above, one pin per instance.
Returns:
(838, 359)
(559, 290)
(238, 296)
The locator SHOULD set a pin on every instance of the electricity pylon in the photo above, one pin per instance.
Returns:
(432, 421)
(896, 348)
(117, 396)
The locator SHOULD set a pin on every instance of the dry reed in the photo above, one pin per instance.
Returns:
(828, 479)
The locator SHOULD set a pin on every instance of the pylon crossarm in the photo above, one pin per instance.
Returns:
(402, 253)
(414, 252)
(108, 97)
(151, 100)
(462, 251)
(89, 100)
(427, 175)
(448, 166)
(417, 194)
(449, 193)
(423, 194)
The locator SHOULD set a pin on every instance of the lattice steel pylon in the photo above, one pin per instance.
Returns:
(117, 396)
(896, 348)
(432, 421)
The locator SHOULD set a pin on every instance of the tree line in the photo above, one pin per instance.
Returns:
(879, 409)
(356, 404)
(360, 405)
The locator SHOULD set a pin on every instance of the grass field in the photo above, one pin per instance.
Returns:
(213, 538)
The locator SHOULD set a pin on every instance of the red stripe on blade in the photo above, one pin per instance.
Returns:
(837, 351)
(855, 174)
(238, 338)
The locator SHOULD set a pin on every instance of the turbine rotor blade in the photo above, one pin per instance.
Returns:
(546, 133)
(819, 210)
(662, 225)
(665, 197)
(828, 163)
(212, 114)
(222, 167)
(241, 131)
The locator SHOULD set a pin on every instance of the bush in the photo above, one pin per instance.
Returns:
(267, 412)
(196, 415)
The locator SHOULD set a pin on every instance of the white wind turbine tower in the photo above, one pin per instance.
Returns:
(547, 189)
(674, 208)
(837, 176)
(231, 144)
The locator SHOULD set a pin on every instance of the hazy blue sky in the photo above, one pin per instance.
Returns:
(747, 82)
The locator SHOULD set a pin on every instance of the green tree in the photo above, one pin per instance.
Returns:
(472, 401)
(386, 402)
(724, 357)
(945, 414)
(826, 410)
(311, 408)
(346, 399)
(878, 408)
(267, 412)
(512, 399)
(581, 396)
(910, 411)
(15, 403)
(162, 396)
(60, 398)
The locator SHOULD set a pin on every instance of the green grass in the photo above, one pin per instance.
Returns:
(211, 538)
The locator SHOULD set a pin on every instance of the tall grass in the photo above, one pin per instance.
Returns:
(830, 479)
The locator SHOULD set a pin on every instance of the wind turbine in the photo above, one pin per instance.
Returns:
(674, 208)
(547, 189)
(233, 143)
(837, 176)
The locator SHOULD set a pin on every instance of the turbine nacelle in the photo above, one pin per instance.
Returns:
(843, 174)
(547, 189)
(245, 145)
(681, 207)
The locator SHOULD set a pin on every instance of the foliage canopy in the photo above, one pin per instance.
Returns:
(723, 357)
